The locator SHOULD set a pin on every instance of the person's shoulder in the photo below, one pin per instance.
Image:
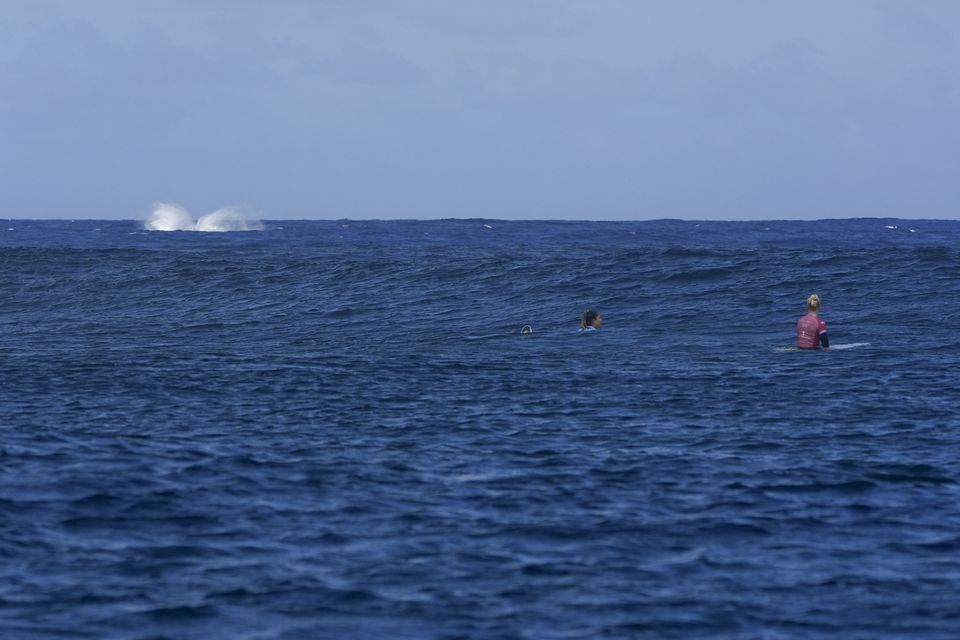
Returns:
(587, 330)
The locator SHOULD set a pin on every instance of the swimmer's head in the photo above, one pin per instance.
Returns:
(591, 318)
(813, 303)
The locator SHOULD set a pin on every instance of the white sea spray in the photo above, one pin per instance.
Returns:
(172, 217)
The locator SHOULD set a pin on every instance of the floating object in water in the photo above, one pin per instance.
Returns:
(833, 347)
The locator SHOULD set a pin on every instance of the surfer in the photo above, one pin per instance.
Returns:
(811, 329)
(590, 320)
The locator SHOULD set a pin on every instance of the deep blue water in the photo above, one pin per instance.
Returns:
(335, 430)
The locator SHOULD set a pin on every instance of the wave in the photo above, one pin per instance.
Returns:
(171, 217)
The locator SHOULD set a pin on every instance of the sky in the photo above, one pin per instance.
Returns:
(513, 109)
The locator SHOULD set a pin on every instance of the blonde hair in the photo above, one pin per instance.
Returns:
(813, 302)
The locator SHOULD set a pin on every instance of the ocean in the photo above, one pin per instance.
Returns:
(335, 429)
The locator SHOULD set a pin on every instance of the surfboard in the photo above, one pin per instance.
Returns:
(833, 347)
(850, 345)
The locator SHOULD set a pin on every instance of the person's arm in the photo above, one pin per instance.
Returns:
(824, 340)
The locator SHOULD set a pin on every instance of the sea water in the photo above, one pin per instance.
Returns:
(335, 429)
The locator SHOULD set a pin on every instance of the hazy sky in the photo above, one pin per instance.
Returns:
(589, 109)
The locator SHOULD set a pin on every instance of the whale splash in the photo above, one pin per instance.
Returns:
(167, 216)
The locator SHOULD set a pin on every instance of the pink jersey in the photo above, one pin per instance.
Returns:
(809, 329)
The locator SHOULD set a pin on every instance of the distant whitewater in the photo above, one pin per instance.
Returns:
(171, 217)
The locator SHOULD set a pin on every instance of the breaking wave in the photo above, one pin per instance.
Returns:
(171, 217)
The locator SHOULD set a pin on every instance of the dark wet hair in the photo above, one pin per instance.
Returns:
(587, 318)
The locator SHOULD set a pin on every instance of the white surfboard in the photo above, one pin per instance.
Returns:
(833, 347)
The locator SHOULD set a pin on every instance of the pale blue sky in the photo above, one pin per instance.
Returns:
(572, 109)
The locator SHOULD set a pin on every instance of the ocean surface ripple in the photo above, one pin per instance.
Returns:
(335, 430)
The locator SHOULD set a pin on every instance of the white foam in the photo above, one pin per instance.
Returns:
(227, 219)
(167, 216)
